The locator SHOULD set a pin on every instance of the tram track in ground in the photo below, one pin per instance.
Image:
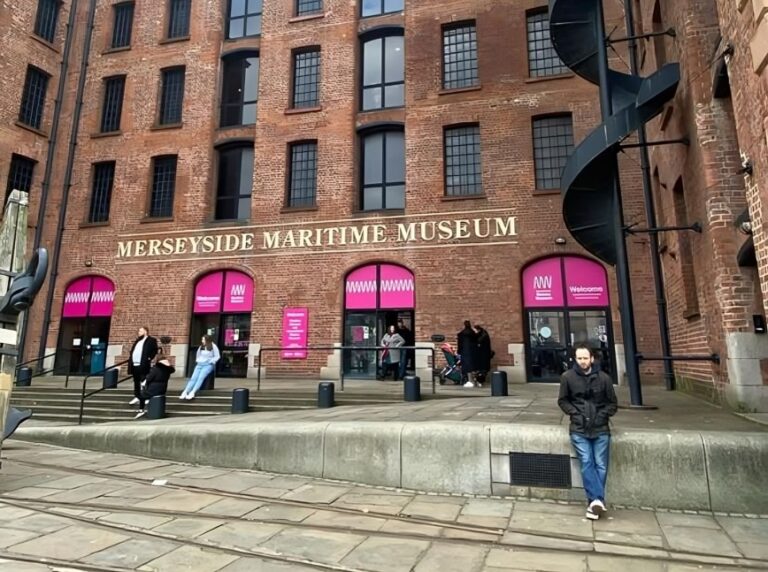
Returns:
(41, 505)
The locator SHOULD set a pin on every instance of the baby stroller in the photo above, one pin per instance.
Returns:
(452, 369)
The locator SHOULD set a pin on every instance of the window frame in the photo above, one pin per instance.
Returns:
(116, 8)
(16, 160)
(51, 23)
(478, 173)
(384, 184)
(244, 18)
(382, 12)
(104, 104)
(164, 102)
(445, 30)
(543, 72)
(170, 34)
(38, 112)
(151, 212)
(300, 14)
(295, 55)
(227, 59)
(536, 167)
(231, 146)
(289, 197)
(94, 180)
(380, 34)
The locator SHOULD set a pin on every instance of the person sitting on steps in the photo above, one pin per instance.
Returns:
(156, 382)
(205, 362)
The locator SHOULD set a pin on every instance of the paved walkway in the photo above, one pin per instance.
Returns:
(97, 511)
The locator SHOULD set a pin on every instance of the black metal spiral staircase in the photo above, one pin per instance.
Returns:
(576, 28)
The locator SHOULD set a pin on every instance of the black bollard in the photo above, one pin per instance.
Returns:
(156, 407)
(109, 381)
(24, 377)
(325, 395)
(240, 400)
(412, 388)
(499, 384)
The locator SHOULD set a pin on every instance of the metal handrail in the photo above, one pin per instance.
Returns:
(431, 349)
(22, 364)
(83, 395)
(40, 372)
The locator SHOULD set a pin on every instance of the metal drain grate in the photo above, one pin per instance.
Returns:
(540, 470)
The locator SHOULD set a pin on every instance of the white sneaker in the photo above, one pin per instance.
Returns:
(190, 397)
(597, 507)
(592, 515)
(183, 395)
(469, 384)
(134, 401)
(141, 413)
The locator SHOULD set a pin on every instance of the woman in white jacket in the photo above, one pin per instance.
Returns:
(207, 356)
(391, 355)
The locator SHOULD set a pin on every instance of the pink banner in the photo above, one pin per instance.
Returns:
(89, 296)
(543, 284)
(295, 332)
(238, 292)
(360, 289)
(586, 282)
(208, 294)
(396, 287)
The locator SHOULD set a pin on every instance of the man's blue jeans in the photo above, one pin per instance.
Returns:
(593, 456)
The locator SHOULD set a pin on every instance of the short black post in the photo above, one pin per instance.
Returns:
(325, 395)
(240, 400)
(156, 407)
(499, 384)
(109, 381)
(412, 388)
(24, 377)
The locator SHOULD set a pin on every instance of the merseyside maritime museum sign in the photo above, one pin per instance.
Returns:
(427, 231)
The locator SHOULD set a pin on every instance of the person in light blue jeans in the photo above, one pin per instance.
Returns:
(207, 356)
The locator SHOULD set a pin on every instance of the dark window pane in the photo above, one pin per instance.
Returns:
(45, 21)
(101, 195)
(178, 21)
(373, 150)
(542, 58)
(306, 79)
(463, 175)
(235, 183)
(383, 73)
(304, 7)
(19, 175)
(114, 88)
(460, 56)
(552, 145)
(163, 186)
(123, 26)
(172, 96)
(372, 62)
(376, 7)
(240, 89)
(384, 171)
(244, 18)
(395, 157)
(302, 189)
(33, 98)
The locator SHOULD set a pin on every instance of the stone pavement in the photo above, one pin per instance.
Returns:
(79, 510)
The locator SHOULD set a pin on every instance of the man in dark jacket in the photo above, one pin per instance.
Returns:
(587, 397)
(156, 382)
(466, 345)
(143, 351)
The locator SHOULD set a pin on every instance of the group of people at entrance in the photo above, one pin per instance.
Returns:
(151, 369)
(392, 356)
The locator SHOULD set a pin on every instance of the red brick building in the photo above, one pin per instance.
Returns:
(258, 171)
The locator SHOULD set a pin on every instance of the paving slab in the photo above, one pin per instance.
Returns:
(16, 566)
(246, 535)
(700, 540)
(687, 520)
(188, 527)
(84, 493)
(74, 481)
(135, 519)
(281, 512)
(632, 521)
(598, 563)
(381, 502)
(447, 511)
(11, 536)
(315, 493)
(323, 518)
(568, 526)
(190, 559)
(544, 541)
(42, 523)
(745, 529)
(231, 507)
(443, 557)
(649, 540)
(386, 554)
(412, 529)
(191, 501)
(71, 543)
(317, 545)
(131, 553)
(487, 507)
(529, 560)
(260, 565)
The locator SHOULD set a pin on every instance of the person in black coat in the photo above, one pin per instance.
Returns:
(156, 382)
(484, 353)
(466, 344)
(143, 351)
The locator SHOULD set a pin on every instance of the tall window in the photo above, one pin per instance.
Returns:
(235, 184)
(172, 96)
(383, 72)
(460, 56)
(376, 7)
(33, 98)
(463, 175)
(178, 19)
(552, 144)
(542, 57)
(306, 78)
(383, 170)
(244, 18)
(45, 21)
(101, 193)
(19, 175)
(114, 88)
(307, 7)
(240, 89)
(685, 254)
(121, 32)
(302, 187)
(163, 186)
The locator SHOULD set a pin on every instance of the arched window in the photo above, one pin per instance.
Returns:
(383, 74)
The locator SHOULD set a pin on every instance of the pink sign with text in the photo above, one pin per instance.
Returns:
(396, 287)
(543, 284)
(360, 289)
(208, 294)
(586, 283)
(295, 332)
(238, 292)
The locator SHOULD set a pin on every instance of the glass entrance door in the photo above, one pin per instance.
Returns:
(231, 333)
(361, 332)
(82, 345)
(591, 327)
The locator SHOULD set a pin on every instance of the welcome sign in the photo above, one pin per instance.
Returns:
(496, 226)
